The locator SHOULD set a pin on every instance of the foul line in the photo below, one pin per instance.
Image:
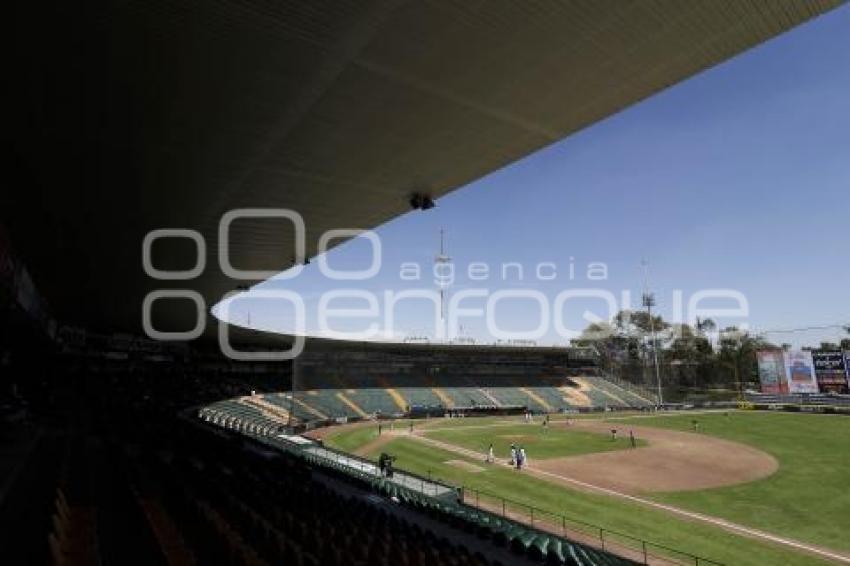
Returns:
(723, 523)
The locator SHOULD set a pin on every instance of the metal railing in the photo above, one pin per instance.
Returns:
(571, 528)
(363, 468)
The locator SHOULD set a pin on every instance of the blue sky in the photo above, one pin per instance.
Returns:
(736, 178)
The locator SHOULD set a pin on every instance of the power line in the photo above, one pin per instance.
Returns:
(845, 326)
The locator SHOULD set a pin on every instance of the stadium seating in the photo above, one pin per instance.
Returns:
(327, 401)
(553, 399)
(373, 400)
(509, 396)
(605, 393)
(419, 397)
(324, 404)
(250, 499)
(633, 395)
(283, 401)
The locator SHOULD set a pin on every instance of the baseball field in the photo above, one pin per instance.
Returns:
(736, 487)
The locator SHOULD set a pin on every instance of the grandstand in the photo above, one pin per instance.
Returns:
(351, 404)
(334, 381)
(588, 393)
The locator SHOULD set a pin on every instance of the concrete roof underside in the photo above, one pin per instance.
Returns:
(136, 115)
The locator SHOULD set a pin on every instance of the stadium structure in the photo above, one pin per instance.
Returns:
(338, 382)
(131, 117)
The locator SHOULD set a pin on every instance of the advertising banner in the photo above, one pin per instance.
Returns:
(829, 370)
(772, 371)
(847, 367)
(800, 372)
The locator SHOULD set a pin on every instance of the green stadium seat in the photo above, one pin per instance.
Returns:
(521, 542)
(555, 552)
(539, 547)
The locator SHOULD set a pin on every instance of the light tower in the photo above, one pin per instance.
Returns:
(440, 260)
(648, 301)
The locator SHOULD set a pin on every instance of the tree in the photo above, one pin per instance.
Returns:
(608, 341)
(738, 354)
(692, 356)
(639, 322)
(621, 344)
(686, 354)
(705, 326)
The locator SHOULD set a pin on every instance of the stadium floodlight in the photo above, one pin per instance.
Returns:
(648, 300)
(442, 259)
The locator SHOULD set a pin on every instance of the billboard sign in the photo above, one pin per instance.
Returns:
(772, 371)
(847, 367)
(830, 370)
(800, 372)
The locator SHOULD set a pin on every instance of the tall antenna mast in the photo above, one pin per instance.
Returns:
(443, 259)
(648, 300)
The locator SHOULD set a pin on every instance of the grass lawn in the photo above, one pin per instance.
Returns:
(349, 440)
(440, 422)
(808, 498)
(613, 513)
(539, 444)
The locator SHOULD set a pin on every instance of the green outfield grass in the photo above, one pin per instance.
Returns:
(349, 440)
(539, 443)
(808, 498)
(613, 513)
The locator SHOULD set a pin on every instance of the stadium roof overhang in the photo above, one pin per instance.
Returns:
(135, 116)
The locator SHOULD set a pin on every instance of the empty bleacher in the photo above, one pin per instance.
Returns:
(508, 396)
(250, 500)
(273, 409)
(373, 400)
(323, 404)
(419, 396)
(605, 393)
(467, 396)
